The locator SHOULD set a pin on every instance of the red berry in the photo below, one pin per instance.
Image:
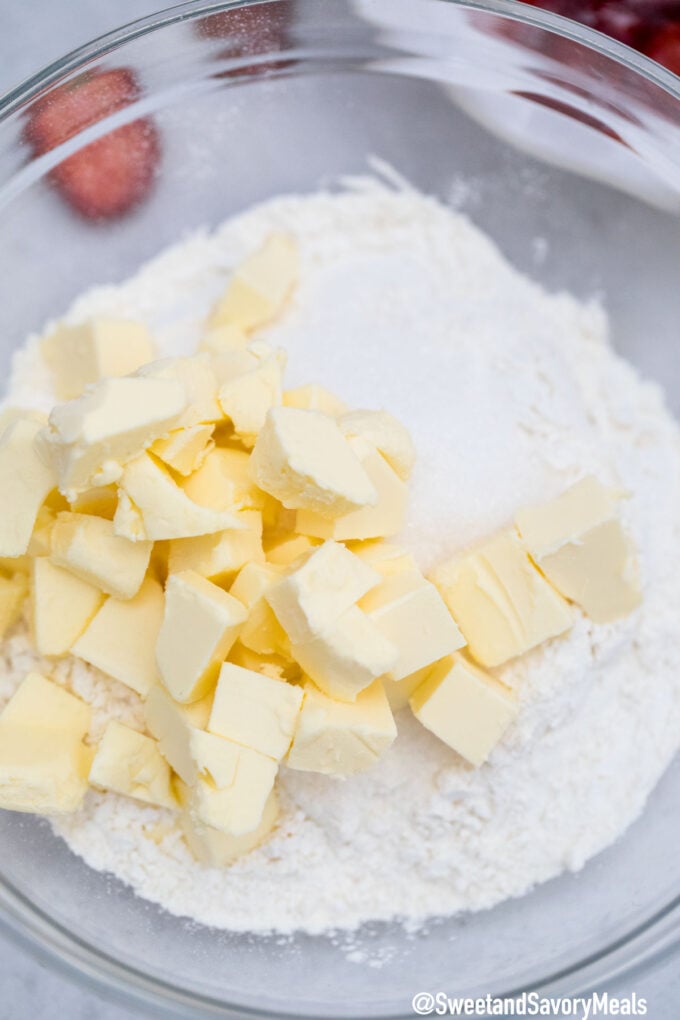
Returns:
(664, 46)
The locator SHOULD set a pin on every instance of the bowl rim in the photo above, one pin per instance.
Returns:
(51, 943)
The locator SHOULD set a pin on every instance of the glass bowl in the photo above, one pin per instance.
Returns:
(565, 147)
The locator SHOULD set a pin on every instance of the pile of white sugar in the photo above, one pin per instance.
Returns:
(511, 394)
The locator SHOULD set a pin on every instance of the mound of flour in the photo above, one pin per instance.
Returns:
(511, 394)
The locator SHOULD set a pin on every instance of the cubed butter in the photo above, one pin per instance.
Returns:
(196, 375)
(174, 726)
(25, 479)
(184, 450)
(313, 397)
(43, 704)
(337, 738)
(411, 614)
(89, 547)
(246, 399)
(502, 604)
(253, 710)
(399, 692)
(578, 542)
(465, 707)
(384, 432)
(13, 592)
(261, 632)
(219, 556)
(385, 557)
(41, 539)
(130, 763)
(224, 338)
(200, 624)
(61, 607)
(311, 597)
(121, 639)
(97, 349)
(348, 656)
(277, 666)
(282, 551)
(223, 482)
(101, 501)
(260, 286)
(218, 849)
(233, 796)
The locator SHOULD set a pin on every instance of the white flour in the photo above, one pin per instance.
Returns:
(510, 394)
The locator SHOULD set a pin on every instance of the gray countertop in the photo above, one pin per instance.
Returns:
(31, 35)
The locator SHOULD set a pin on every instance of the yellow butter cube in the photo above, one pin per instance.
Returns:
(581, 547)
(313, 397)
(260, 286)
(130, 763)
(41, 539)
(13, 592)
(218, 849)
(89, 547)
(196, 375)
(246, 399)
(253, 710)
(97, 349)
(410, 612)
(26, 480)
(465, 707)
(184, 450)
(386, 434)
(200, 624)
(219, 556)
(100, 501)
(313, 595)
(385, 557)
(121, 639)
(282, 552)
(224, 338)
(348, 656)
(261, 632)
(61, 607)
(338, 738)
(399, 692)
(278, 666)
(502, 604)
(39, 702)
(223, 482)
(174, 726)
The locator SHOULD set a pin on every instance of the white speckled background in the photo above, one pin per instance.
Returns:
(32, 34)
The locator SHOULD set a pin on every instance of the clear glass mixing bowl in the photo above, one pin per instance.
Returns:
(565, 147)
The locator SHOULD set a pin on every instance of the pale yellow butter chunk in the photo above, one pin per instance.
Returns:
(313, 397)
(465, 707)
(261, 632)
(101, 501)
(184, 450)
(174, 726)
(90, 438)
(130, 763)
(385, 557)
(197, 378)
(502, 604)
(97, 349)
(224, 338)
(41, 539)
(337, 738)
(348, 656)
(61, 607)
(223, 482)
(89, 547)
(281, 552)
(121, 638)
(219, 556)
(303, 460)
(218, 849)
(13, 592)
(384, 432)
(163, 507)
(399, 692)
(253, 710)
(260, 286)
(278, 666)
(200, 624)
(578, 542)
(410, 612)
(232, 794)
(43, 761)
(310, 597)
(385, 517)
(246, 399)
(26, 478)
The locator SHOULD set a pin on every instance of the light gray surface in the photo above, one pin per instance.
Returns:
(31, 35)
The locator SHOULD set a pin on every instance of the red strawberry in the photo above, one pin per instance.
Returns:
(664, 46)
(248, 32)
(111, 175)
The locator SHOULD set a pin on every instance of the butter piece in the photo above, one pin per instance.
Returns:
(348, 656)
(196, 376)
(399, 692)
(97, 349)
(260, 286)
(277, 666)
(164, 508)
(313, 397)
(465, 707)
(43, 761)
(384, 432)
(174, 727)
(253, 710)
(26, 480)
(62, 605)
(387, 515)
(502, 604)
(303, 460)
(219, 556)
(411, 614)
(218, 849)
(261, 632)
(236, 783)
(90, 438)
(223, 482)
(385, 557)
(281, 552)
(100, 501)
(312, 596)
(90, 549)
(247, 398)
(121, 639)
(130, 763)
(336, 738)
(224, 338)
(581, 547)
(184, 450)
(41, 539)
(13, 592)
(200, 624)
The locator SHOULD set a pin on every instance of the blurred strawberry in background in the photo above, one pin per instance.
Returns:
(113, 174)
(248, 32)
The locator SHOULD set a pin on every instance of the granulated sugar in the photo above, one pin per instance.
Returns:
(511, 394)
